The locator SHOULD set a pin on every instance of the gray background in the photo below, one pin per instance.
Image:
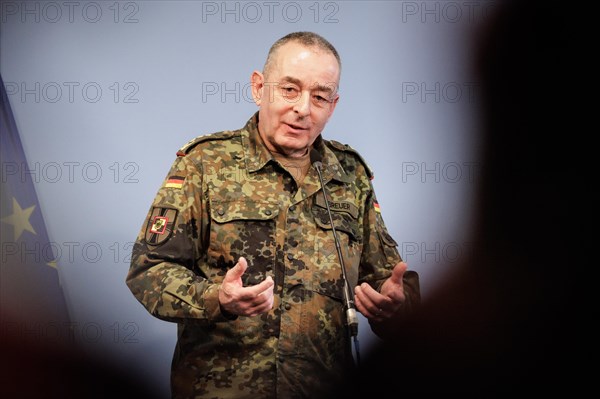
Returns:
(104, 93)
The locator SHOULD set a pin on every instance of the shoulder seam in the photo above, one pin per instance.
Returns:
(347, 148)
(187, 147)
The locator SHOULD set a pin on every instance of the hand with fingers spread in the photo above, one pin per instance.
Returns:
(245, 301)
(379, 306)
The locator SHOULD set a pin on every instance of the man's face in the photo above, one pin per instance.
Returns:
(296, 97)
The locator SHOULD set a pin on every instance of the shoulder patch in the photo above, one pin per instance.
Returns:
(346, 148)
(160, 225)
(205, 137)
(174, 181)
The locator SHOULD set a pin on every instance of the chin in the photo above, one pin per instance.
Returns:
(289, 148)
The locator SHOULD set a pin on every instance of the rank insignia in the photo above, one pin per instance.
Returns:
(160, 225)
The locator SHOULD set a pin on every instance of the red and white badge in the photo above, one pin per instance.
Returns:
(160, 225)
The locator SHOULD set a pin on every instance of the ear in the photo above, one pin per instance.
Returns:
(257, 80)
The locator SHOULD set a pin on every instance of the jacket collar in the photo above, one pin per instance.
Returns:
(257, 154)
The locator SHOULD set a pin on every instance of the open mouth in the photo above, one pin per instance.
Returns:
(297, 128)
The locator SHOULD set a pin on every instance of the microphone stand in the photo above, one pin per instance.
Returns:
(351, 316)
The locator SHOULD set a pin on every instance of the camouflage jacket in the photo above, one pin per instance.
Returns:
(225, 197)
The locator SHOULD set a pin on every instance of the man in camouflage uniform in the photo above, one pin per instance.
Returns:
(237, 247)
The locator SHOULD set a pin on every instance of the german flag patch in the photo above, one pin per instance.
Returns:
(174, 182)
(160, 225)
(376, 206)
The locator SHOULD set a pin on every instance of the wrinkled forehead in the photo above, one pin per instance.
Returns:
(302, 61)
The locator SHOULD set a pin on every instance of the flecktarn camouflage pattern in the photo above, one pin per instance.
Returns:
(226, 197)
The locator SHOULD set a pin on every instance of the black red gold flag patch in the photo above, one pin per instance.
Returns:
(377, 208)
(174, 182)
(160, 225)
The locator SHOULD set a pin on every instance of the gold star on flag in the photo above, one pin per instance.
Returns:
(20, 219)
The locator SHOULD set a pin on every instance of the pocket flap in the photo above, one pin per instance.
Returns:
(227, 211)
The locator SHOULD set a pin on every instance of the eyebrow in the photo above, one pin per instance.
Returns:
(296, 81)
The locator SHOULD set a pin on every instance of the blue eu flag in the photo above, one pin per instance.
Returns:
(31, 298)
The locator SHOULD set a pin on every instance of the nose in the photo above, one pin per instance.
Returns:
(302, 105)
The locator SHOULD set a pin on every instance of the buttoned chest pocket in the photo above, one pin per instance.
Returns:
(243, 228)
(328, 277)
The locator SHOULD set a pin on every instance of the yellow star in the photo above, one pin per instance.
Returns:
(20, 219)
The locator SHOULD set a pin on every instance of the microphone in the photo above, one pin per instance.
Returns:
(351, 316)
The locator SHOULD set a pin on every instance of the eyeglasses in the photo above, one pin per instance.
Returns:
(320, 96)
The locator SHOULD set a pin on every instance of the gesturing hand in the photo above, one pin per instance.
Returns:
(380, 306)
(245, 301)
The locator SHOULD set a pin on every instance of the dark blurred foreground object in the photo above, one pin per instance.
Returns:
(506, 320)
(33, 367)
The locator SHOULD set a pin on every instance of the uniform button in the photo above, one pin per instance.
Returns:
(290, 257)
(293, 208)
(221, 212)
(268, 212)
(287, 306)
